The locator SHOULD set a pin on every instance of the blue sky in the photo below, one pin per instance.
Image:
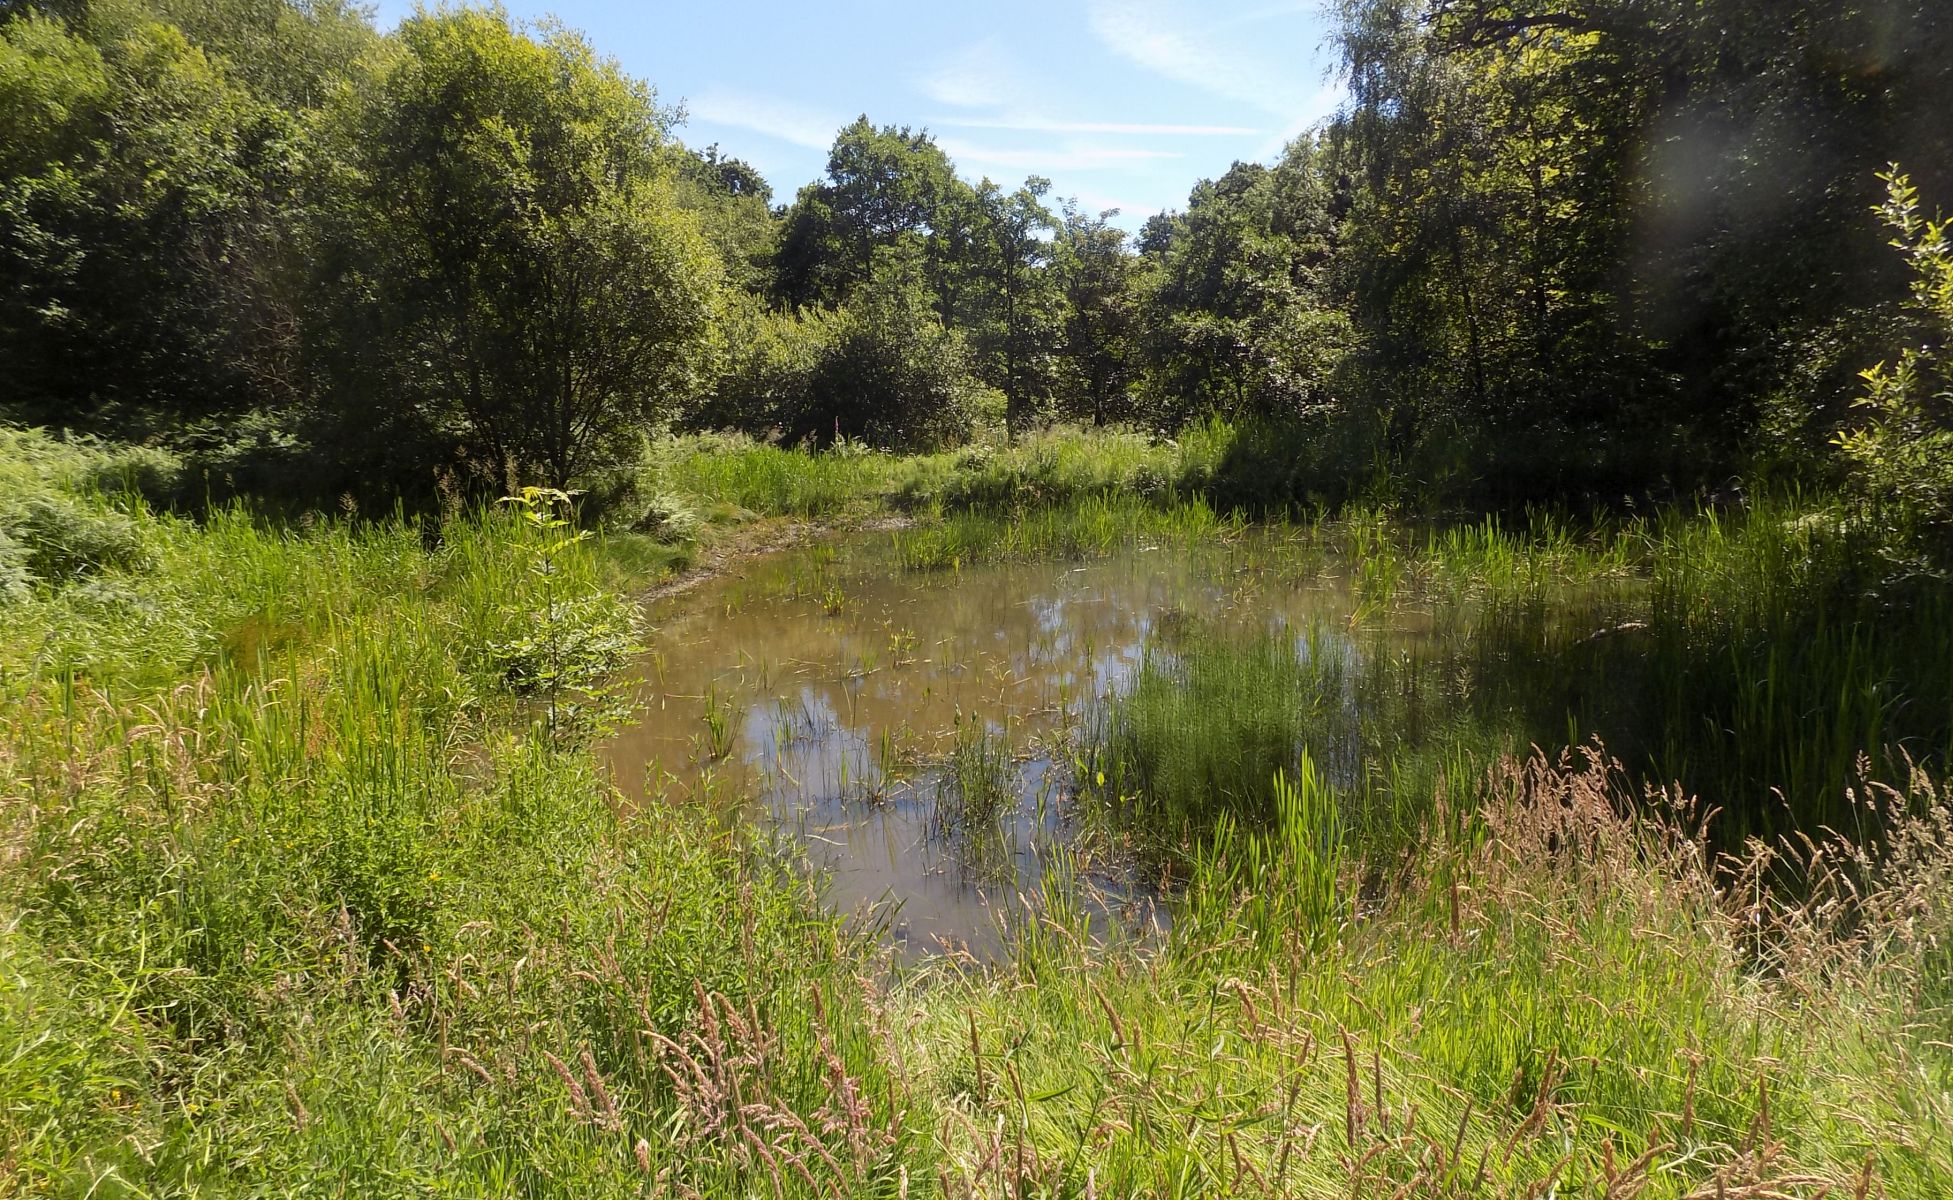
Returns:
(1121, 103)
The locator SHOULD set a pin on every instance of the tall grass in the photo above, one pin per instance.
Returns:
(294, 899)
(1093, 526)
(1753, 657)
(1565, 1001)
(771, 480)
(1280, 883)
(1206, 730)
(1058, 467)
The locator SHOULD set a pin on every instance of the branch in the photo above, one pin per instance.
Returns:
(1479, 30)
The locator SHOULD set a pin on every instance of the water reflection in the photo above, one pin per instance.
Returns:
(831, 693)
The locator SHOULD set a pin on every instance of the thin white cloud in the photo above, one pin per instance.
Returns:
(1130, 214)
(1177, 42)
(1045, 125)
(1065, 158)
(769, 115)
(1256, 15)
(1320, 106)
(978, 76)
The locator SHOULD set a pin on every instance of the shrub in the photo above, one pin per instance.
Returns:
(766, 367)
(890, 376)
(150, 472)
(884, 372)
(569, 638)
(66, 539)
(15, 579)
(1904, 454)
(668, 518)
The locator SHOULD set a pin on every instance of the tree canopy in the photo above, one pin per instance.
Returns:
(1545, 249)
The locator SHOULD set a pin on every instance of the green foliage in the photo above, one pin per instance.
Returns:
(16, 579)
(977, 793)
(767, 366)
(887, 189)
(1015, 323)
(499, 214)
(143, 194)
(1282, 882)
(731, 201)
(569, 640)
(889, 375)
(1098, 361)
(73, 509)
(1903, 457)
(66, 539)
(308, 919)
(723, 469)
(1572, 270)
(1093, 525)
(292, 909)
(668, 518)
(1236, 321)
(882, 371)
(1556, 1014)
(1211, 729)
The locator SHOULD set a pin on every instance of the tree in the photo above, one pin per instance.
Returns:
(889, 373)
(145, 199)
(509, 279)
(882, 370)
(1098, 358)
(732, 203)
(884, 186)
(1600, 242)
(1237, 319)
(1019, 335)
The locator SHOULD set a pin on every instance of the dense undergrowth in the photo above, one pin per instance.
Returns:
(306, 891)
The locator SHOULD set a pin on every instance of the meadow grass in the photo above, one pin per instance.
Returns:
(299, 899)
(1056, 467)
(1093, 526)
(1562, 1002)
(298, 896)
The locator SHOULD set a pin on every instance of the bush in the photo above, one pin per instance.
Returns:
(66, 539)
(1903, 456)
(669, 519)
(890, 376)
(766, 367)
(16, 581)
(884, 372)
(152, 473)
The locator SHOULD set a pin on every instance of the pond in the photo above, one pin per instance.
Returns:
(838, 701)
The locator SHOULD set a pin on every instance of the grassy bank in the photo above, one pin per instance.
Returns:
(307, 892)
(311, 886)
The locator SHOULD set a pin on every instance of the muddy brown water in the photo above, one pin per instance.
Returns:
(819, 691)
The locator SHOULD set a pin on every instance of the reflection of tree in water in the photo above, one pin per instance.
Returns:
(857, 734)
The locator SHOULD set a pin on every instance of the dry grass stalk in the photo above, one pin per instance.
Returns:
(729, 1084)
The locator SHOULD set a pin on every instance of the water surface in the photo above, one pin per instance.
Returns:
(823, 690)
